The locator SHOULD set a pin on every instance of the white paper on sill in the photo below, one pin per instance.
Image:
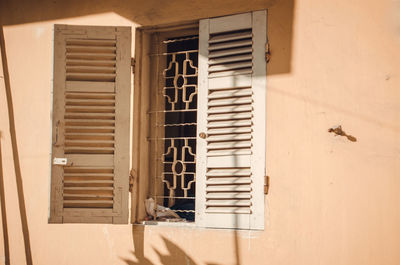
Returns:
(161, 210)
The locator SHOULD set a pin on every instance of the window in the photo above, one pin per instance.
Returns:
(230, 119)
(198, 122)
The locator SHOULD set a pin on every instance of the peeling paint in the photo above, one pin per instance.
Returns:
(109, 239)
(39, 31)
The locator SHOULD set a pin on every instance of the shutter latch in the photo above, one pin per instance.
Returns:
(133, 64)
(267, 52)
(60, 161)
(56, 144)
(266, 184)
(131, 178)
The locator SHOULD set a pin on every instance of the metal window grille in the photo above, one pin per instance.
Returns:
(173, 118)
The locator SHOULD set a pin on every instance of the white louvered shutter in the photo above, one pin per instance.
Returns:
(231, 113)
(91, 124)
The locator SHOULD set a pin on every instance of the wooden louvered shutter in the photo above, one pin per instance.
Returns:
(91, 97)
(231, 113)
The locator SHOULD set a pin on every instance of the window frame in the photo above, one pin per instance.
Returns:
(141, 105)
(141, 148)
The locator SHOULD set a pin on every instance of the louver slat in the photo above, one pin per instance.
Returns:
(230, 59)
(91, 69)
(229, 116)
(230, 37)
(231, 44)
(91, 91)
(73, 62)
(90, 86)
(228, 195)
(231, 102)
(230, 52)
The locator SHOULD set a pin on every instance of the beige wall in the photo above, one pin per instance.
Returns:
(331, 201)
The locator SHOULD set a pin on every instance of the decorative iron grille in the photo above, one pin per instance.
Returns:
(174, 135)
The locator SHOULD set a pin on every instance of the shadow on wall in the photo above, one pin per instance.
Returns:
(280, 16)
(16, 160)
(175, 255)
(4, 212)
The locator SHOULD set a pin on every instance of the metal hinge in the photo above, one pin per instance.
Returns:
(131, 178)
(267, 53)
(133, 64)
(266, 184)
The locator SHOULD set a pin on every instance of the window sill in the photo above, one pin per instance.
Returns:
(169, 224)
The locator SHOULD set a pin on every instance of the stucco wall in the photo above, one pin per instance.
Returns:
(331, 201)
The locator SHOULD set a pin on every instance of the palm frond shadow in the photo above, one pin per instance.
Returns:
(175, 256)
